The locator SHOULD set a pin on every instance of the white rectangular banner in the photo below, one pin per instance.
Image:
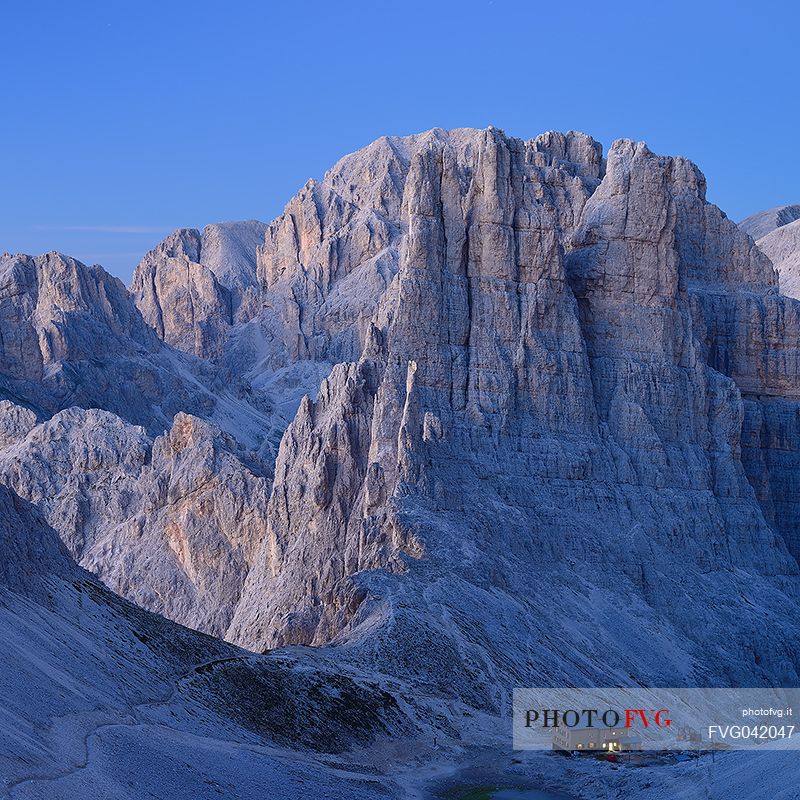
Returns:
(628, 720)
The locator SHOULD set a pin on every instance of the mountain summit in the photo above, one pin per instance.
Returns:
(474, 412)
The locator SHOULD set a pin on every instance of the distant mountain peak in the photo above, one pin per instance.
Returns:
(764, 222)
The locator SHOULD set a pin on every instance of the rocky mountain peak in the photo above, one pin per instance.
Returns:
(548, 321)
(777, 232)
(471, 354)
(54, 309)
(764, 222)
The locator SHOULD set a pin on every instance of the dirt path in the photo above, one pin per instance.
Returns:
(133, 720)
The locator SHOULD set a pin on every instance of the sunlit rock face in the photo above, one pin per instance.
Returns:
(89, 393)
(480, 411)
(180, 297)
(171, 524)
(72, 336)
(194, 285)
(54, 308)
(82, 668)
(547, 416)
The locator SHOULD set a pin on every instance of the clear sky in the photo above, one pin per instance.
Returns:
(123, 121)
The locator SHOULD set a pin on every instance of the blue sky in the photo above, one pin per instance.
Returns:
(121, 122)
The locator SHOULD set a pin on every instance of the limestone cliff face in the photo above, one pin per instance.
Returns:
(171, 524)
(764, 222)
(324, 264)
(174, 530)
(180, 297)
(765, 359)
(450, 314)
(328, 260)
(740, 326)
(777, 234)
(194, 285)
(15, 422)
(71, 336)
(551, 423)
(229, 250)
(546, 418)
(54, 308)
(782, 246)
